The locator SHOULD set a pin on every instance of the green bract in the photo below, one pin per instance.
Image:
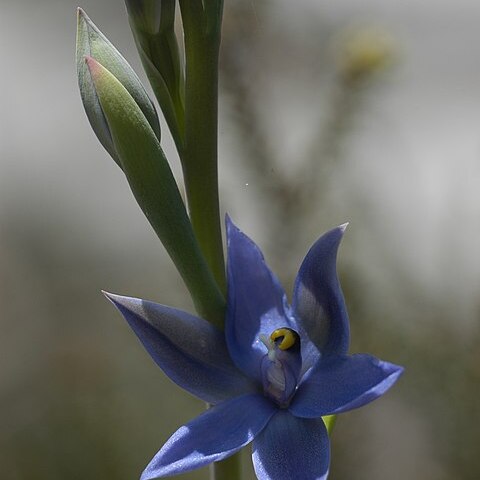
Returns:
(146, 14)
(91, 42)
(152, 23)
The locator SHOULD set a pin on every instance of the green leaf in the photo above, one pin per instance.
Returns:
(155, 189)
(91, 42)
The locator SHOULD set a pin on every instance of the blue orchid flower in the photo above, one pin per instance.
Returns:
(274, 372)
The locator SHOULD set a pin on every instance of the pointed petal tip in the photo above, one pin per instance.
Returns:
(338, 232)
(397, 371)
(108, 295)
(146, 475)
(335, 235)
(229, 222)
(112, 297)
(120, 300)
(231, 228)
(394, 372)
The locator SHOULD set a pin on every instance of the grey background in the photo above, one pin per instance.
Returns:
(78, 396)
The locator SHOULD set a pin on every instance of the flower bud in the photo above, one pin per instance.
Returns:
(91, 42)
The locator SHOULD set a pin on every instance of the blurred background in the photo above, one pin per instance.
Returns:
(366, 112)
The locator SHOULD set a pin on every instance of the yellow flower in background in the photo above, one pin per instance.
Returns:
(361, 52)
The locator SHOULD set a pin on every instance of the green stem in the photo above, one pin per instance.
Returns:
(199, 156)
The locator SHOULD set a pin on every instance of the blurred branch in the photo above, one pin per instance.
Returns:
(360, 54)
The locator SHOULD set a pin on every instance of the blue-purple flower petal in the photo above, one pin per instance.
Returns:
(343, 383)
(213, 436)
(191, 351)
(292, 448)
(269, 389)
(256, 303)
(318, 302)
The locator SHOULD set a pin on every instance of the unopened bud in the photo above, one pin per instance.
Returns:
(92, 43)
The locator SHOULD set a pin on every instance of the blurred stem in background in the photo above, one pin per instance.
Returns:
(359, 54)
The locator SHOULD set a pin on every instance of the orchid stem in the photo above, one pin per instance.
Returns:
(199, 156)
(202, 31)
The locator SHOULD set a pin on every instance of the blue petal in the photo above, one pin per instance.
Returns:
(256, 303)
(191, 351)
(318, 300)
(291, 447)
(213, 436)
(344, 383)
